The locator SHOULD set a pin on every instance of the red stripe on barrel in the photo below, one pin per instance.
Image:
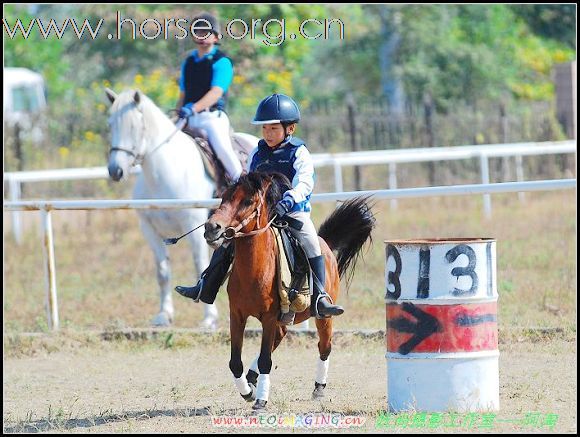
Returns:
(441, 328)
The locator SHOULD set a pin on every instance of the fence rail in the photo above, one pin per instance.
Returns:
(337, 161)
(46, 206)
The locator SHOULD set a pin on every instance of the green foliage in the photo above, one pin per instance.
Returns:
(554, 21)
(459, 54)
(473, 52)
(43, 56)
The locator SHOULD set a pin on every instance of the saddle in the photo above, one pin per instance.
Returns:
(213, 166)
(292, 272)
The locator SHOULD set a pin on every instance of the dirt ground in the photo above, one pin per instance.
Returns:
(180, 383)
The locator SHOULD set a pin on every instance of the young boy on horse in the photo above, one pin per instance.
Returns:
(279, 152)
(206, 75)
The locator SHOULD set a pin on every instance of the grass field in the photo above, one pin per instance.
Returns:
(106, 278)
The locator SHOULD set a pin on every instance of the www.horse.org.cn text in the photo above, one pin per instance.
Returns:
(271, 32)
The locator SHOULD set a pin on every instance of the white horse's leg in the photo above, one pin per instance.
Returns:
(302, 326)
(201, 260)
(166, 311)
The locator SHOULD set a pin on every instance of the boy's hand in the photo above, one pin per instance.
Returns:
(185, 112)
(284, 206)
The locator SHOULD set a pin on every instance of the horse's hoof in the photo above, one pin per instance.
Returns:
(318, 392)
(162, 319)
(208, 324)
(260, 405)
(252, 395)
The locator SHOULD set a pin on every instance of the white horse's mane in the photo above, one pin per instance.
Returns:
(156, 121)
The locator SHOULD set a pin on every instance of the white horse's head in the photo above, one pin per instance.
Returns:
(128, 126)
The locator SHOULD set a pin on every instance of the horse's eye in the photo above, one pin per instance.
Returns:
(246, 203)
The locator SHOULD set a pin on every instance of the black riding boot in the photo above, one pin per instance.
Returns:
(212, 278)
(320, 306)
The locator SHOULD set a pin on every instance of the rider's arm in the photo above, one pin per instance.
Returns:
(223, 74)
(180, 101)
(303, 181)
(250, 160)
(209, 99)
(181, 87)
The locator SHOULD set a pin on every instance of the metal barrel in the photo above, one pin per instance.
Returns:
(441, 315)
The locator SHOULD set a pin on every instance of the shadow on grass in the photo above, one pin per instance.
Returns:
(52, 424)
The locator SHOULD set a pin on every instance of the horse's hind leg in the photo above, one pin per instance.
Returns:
(166, 311)
(324, 327)
(253, 372)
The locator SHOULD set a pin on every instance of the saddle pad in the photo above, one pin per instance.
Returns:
(284, 280)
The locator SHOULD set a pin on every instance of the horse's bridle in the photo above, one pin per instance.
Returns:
(232, 232)
(140, 157)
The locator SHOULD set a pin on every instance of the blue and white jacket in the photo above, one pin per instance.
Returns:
(293, 160)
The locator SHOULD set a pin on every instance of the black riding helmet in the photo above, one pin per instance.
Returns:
(277, 108)
(208, 18)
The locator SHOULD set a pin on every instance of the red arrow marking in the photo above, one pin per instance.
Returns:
(453, 335)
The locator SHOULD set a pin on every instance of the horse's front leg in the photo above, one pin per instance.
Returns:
(237, 327)
(269, 329)
(166, 311)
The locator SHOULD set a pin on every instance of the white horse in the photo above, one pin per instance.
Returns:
(171, 169)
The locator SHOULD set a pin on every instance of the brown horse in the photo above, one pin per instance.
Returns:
(245, 215)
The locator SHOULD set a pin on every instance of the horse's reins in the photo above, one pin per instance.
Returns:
(140, 158)
(233, 232)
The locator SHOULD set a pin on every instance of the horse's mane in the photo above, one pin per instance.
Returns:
(154, 116)
(254, 182)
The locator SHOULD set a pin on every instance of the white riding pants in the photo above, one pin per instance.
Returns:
(217, 126)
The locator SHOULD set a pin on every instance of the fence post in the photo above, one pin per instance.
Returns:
(428, 107)
(484, 166)
(520, 176)
(504, 127)
(14, 185)
(393, 182)
(338, 187)
(353, 142)
(48, 249)
(18, 146)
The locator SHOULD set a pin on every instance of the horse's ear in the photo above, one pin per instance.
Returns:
(137, 97)
(111, 95)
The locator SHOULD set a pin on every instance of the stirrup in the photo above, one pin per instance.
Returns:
(314, 311)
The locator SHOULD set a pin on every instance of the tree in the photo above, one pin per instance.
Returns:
(554, 21)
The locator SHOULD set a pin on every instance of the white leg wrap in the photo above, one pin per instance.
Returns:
(254, 365)
(242, 385)
(210, 311)
(322, 370)
(263, 389)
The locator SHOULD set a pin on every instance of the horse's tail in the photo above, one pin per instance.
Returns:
(346, 230)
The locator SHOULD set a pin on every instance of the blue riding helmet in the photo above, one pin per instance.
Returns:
(277, 108)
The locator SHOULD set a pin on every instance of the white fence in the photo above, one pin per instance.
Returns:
(47, 206)
(338, 160)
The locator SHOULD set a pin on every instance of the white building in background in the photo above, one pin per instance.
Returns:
(24, 101)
